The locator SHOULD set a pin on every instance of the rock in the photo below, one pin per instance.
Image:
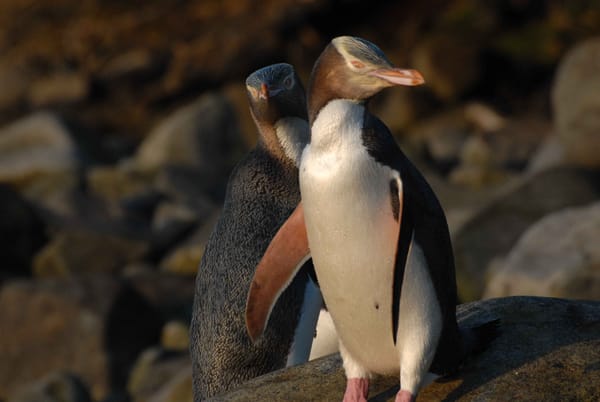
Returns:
(175, 336)
(549, 154)
(178, 389)
(39, 157)
(476, 167)
(495, 229)
(114, 183)
(92, 327)
(22, 232)
(443, 136)
(576, 103)
(203, 134)
(547, 350)
(14, 83)
(448, 77)
(136, 65)
(55, 387)
(61, 88)
(171, 295)
(75, 252)
(558, 256)
(153, 370)
(185, 258)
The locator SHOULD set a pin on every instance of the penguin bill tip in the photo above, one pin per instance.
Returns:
(400, 76)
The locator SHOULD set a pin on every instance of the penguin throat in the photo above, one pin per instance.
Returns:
(293, 134)
(338, 122)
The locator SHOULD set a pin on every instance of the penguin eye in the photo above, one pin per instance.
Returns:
(357, 64)
(288, 82)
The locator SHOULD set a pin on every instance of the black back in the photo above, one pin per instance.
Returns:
(423, 212)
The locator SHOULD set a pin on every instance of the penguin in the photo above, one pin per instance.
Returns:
(261, 193)
(375, 231)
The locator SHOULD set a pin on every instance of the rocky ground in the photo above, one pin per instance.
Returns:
(120, 122)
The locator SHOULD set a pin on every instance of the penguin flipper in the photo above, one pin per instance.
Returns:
(286, 254)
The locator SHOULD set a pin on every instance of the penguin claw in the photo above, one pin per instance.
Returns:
(404, 396)
(357, 390)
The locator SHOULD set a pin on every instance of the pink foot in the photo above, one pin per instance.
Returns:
(356, 390)
(404, 396)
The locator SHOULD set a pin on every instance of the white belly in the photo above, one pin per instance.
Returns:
(353, 239)
(347, 209)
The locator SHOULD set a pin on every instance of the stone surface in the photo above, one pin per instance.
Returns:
(73, 252)
(547, 350)
(448, 77)
(55, 387)
(93, 327)
(153, 370)
(175, 336)
(203, 134)
(60, 88)
(22, 232)
(558, 256)
(39, 157)
(496, 228)
(576, 103)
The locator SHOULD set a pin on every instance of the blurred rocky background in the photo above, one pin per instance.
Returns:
(120, 122)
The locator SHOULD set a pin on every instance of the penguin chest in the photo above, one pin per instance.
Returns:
(353, 237)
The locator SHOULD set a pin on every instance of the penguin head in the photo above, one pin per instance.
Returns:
(354, 68)
(275, 92)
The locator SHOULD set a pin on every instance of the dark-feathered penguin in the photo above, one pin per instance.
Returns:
(261, 193)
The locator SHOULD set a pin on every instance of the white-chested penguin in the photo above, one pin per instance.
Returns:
(261, 193)
(377, 234)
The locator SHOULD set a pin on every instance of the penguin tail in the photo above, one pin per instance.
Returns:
(478, 338)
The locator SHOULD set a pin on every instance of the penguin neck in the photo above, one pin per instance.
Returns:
(339, 122)
(285, 139)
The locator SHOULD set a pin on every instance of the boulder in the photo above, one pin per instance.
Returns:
(172, 295)
(92, 327)
(39, 157)
(547, 349)
(448, 77)
(59, 89)
(58, 386)
(154, 370)
(576, 103)
(558, 256)
(79, 251)
(22, 232)
(175, 336)
(495, 229)
(203, 135)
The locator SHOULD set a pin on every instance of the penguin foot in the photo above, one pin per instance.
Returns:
(357, 390)
(404, 396)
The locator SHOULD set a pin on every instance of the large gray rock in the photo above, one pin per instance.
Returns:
(203, 134)
(494, 230)
(547, 350)
(58, 386)
(154, 370)
(558, 256)
(576, 102)
(73, 252)
(39, 157)
(92, 327)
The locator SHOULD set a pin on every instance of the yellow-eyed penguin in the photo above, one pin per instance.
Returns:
(261, 193)
(377, 234)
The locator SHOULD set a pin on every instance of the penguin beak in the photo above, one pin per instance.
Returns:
(399, 76)
(264, 92)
